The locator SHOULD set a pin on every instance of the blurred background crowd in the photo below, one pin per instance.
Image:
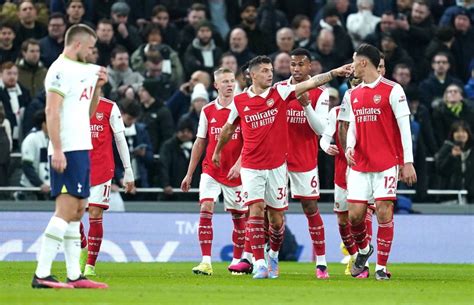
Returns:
(160, 55)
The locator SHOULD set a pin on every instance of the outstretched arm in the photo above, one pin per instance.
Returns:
(321, 79)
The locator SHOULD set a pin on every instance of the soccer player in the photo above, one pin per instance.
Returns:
(379, 151)
(261, 112)
(304, 126)
(214, 180)
(72, 88)
(105, 123)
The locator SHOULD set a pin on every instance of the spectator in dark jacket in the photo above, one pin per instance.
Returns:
(105, 41)
(463, 46)
(394, 53)
(138, 142)
(452, 109)
(8, 50)
(199, 98)
(442, 42)
(301, 25)
(435, 85)
(175, 154)
(37, 103)
(387, 24)
(238, 45)
(202, 53)
(258, 42)
(75, 11)
(125, 33)
(270, 19)
(160, 16)
(53, 44)
(455, 159)
(155, 115)
(29, 27)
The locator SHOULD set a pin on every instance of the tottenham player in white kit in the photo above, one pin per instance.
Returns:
(217, 180)
(379, 151)
(72, 88)
(261, 112)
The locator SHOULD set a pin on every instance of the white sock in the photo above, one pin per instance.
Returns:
(206, 259)
(260, 262)
(235, 261)
(273, 254)
(72, 250)
(52, 239)
(354, 256)
(321, 260)
(247, 256)
(367, 264)
(365, 250)
(380, 267)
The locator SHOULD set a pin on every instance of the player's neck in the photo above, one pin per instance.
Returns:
(371, 76)
(70, 54)
(293, 81)
(224, 101)
(257, 90)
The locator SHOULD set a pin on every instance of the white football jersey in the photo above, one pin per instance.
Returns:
(34, 150)
(75, 82)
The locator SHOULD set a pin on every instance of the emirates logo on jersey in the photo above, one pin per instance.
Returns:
(377, 98)
(270, 102)
(99, 116)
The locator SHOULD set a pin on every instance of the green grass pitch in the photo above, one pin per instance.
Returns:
(174, 283)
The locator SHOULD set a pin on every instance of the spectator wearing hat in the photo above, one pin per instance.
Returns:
(199, 98)
(202, 53)
(463, 46)
(394, 53)
(342, 41)
(155, 115)
(125, 34)
(175, 154)
(258, 42)
(120, 76)
(434, 86)
(171, 64)
(53, 44)
(449, 13)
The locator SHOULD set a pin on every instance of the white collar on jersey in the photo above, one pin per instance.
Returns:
(264, 94)
(219, 106)
(373, 84)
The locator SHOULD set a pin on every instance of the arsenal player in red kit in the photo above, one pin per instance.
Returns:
(105, 124)
(379, 151)
(304, 126)
(262, 114)
(214, 180)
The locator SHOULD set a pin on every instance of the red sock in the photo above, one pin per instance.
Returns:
(359, 233)
(257, 236)
(205, 233)
(316, 232)
(266, 226)
(96, 232)
(247, 245)
(238, 234)
(384, 242)
(276, 237)
(83, 236)
(368, 223)
(347, 239)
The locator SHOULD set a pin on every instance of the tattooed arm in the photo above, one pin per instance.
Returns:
(321, 79)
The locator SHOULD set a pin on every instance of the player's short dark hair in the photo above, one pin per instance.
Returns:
(9, 25)
(423, 2)
(258, 60)
(57, 15)
(72, 1)
(105, 21)
(388, 13)
(301, 52)
(7, 65)
(401, 66)
(118, 50)
(369, 51)
(76, 30)
(440, 53)
(152, 28)
(133, 108)
(461, 125)
(39, 118)
(26, 43)
(197, 7)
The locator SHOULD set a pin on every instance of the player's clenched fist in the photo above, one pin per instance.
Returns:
(58, 161)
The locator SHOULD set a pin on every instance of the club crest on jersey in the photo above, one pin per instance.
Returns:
(99, 116)
(270, 102)
(377, 98)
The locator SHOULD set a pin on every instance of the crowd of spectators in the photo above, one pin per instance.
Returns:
(160, 55)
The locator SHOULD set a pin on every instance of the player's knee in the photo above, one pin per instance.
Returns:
(257, 209)
(356, 218)
(95, 212)
(309, 206)
(207, 206)
(384, 212)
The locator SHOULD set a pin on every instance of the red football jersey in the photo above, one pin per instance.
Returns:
(106, 121)
(213, 117)
(375, 109)
(303, 141)
(264, 128)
